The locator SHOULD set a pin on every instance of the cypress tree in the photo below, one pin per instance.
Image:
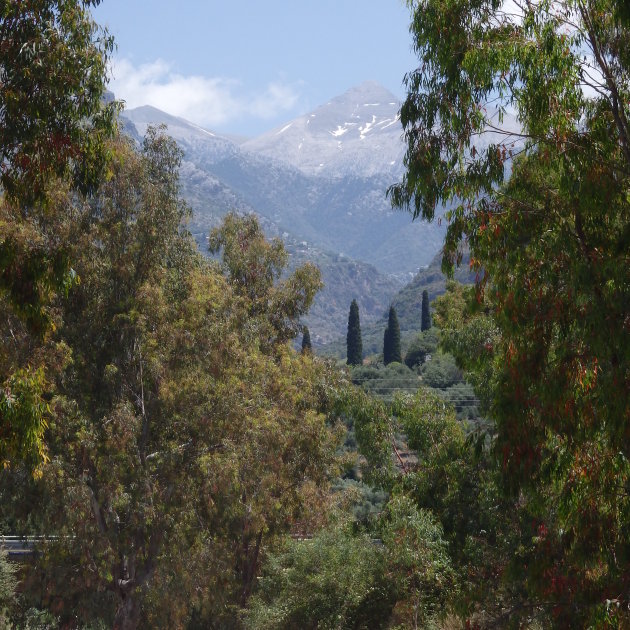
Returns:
(391, 339)
(425, 323)
(306, 341)
(387, 346)
(354, 346)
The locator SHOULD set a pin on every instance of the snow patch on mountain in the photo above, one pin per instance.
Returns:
(284, 128)
(355, 134)
(339, 131)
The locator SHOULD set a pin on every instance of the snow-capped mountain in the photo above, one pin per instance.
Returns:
(186, 133)
(358, 133)
(318, 182)
(340, 207)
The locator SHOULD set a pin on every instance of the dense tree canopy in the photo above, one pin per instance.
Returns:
(52, 119)
(53, 132)
(544, 206)
(424, 345)
(562, 67)
(336, 580)
(185, 433)
(53, 124)
(179, 441)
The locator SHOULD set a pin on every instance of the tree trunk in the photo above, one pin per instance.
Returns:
(249, 568)
(128, 614)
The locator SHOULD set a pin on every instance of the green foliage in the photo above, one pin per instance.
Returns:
(430, 427)
(541, 366)
(464, 400)
(451, 308)
(430, 469)
(470, 334)
(441, 371)
(23, 412)
(476, 60)
(35, 619)
(549, 351)
(53, 121)
(430, 431)
(342, 277)
(426, 343)
(186, 435)
(370, 420)
(33, 274)
(253, 267)
(354, 347)
(391, 339)
(108, 416)
(364, 503)
(337, 580)
(385, 381)
(446, 481)
(341, 579)
(408, 303)
(34, 266)
(417, 562)
(8, 586)
(53, 133)
(426, 313)
(53, 124)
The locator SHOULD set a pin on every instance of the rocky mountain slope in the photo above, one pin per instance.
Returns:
(319, 183)
(355, 134)
(408, 304)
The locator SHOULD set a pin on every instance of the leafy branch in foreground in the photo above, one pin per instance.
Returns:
(54, 129)
(542, 200)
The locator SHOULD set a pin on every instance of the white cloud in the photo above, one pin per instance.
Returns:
(276, 98)
(208, 101)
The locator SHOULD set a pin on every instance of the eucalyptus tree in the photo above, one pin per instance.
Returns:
(53, 131)
(543, 203)
(186, 434)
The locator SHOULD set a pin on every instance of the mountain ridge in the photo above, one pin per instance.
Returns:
(341, 137)
(342, 222)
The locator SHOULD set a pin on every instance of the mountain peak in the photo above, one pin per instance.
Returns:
(368, 91)
(355, 133)
(151, 115)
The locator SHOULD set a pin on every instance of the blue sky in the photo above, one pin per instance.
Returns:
(245, 67)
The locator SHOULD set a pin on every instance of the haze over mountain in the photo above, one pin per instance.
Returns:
(318, 182)
(355, 134)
